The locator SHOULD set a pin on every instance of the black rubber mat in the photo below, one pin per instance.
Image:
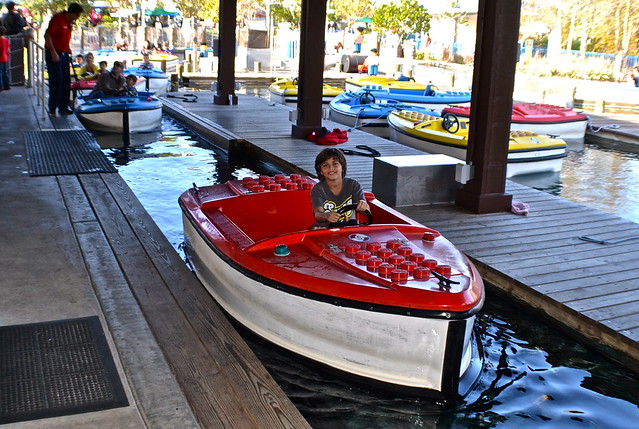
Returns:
(56, 368)
(51, 153)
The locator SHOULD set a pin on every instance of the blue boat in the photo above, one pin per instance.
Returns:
(363, 110)
(120, 114)
(431, 97)
(156, 80)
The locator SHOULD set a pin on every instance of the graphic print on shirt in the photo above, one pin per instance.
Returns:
(331, 206)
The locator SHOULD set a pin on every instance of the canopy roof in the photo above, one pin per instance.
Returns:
(158, 11)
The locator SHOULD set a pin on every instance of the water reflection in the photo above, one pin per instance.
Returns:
(595, 177)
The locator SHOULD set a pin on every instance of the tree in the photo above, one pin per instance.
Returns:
(349, 9)
(405, 18)
(287, 11)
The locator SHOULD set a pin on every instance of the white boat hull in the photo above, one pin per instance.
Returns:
(391, 348)
(378, 127)
(573, 131)
(518, 163)
(140, 121)
(157, 86)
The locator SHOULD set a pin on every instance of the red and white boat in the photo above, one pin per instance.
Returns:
(544, 119)
(392, 302)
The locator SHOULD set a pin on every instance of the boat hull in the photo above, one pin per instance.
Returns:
(520, 162)
(120, 114)
(417, 352)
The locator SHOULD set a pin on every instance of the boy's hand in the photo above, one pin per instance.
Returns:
(333, 217)
(362, 206)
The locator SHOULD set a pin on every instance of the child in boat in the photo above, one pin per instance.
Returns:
(334, 189)
(103, 67)
(129, 89)
(146, 63)
(90, 70)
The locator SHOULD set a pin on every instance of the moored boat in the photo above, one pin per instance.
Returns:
(356, 110)
(355, 84)
(389, 300)
(528, 152)
(431, 98)
(562, 122)
(285, 91)
(120, 114)
(154, 81)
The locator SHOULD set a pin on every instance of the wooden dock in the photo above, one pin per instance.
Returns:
(590, 289)
(122, 248)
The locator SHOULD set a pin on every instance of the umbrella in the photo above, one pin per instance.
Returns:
(366, 20)
(158, 11)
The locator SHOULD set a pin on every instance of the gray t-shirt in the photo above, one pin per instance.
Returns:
(352, 193)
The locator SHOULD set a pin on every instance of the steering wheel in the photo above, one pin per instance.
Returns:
(367, 98)
(294, 81)
(450, 122)
(352, 222)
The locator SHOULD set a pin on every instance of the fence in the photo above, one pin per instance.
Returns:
(36, 72)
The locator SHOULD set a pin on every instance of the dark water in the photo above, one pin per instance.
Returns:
(533, 376)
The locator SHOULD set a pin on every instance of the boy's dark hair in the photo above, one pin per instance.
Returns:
(103, 62)
(327, 154)
(10, 5)
(75, 8)
(118, 64)
(131, 77)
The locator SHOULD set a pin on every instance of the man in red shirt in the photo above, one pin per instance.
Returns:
(57, 41)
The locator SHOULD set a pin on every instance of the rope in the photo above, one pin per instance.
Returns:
(598, 241)
(592, 128)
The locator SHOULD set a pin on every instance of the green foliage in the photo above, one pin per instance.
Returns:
(287, 11)
(405, 18)
(575, 69)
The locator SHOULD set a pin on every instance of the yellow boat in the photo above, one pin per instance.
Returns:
(285, 91)
(528, 152)
(393, 86)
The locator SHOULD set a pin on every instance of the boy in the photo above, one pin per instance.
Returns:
(146, 63)
(129, 89)
(103, 67)
(334, 189)
(4, 61)
(89, 70)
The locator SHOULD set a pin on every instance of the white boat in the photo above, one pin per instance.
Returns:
(154, 81)
(120, 114)
(562, 122)
(391, 302)
(528, 152)
(357, 110)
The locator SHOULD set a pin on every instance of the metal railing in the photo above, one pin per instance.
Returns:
(36, 73)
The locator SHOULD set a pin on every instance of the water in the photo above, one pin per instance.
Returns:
(532, 376)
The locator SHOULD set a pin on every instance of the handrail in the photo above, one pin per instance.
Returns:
(36, 73)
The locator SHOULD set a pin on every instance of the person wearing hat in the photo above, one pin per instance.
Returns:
(57, 44)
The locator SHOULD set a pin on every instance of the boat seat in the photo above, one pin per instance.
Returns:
(268, 214)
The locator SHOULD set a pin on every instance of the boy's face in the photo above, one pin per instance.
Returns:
(130, 81)
(331, 169)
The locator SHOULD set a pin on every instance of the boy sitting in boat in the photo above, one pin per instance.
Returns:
(335, 190)
(130, 90)
(146, 63)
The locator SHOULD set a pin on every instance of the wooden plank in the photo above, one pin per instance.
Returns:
(265, 401)
(211, 394)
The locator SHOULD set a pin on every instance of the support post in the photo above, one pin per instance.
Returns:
(226, 69)
(311, 66)
(493, 84)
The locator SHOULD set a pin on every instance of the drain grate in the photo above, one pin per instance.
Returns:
(52, 153)
(56, 368)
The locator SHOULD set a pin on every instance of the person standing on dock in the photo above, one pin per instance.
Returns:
(372, 61)
(4, 62)
(57, 43)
